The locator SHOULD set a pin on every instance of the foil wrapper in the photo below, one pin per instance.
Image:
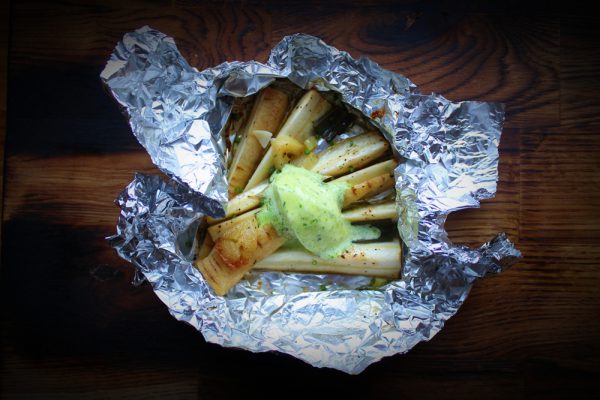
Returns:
(178, 114)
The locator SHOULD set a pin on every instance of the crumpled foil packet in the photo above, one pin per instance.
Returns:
(178, 114)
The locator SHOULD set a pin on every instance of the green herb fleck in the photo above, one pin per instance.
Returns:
(323, 287)
(306, 151)
(238, 189)
(314, 262)
(351, 169)
(238, 138)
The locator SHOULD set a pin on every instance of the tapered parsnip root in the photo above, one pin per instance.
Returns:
(267, 115)
(372, 259)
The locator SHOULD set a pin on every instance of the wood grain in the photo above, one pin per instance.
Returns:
(72, 324)
(3, 74)
(462, 53)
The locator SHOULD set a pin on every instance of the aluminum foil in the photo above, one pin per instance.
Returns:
(178, 113)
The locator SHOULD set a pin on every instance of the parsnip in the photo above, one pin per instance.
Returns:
(217, 230)
(231, 257)
(372, 212)
(372, 259)
(267, 115)
(284, 149)
(306, 161)
(268, 241)
(205, 247)
(298, 125)
(368, 188)
(351, 154)
(235, 252)
(384, 167)
(242, 202)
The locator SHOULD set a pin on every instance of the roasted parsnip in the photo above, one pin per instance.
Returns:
(235, 252)
(374, 259)
(351, 154)
(267, 115)
(372, 212)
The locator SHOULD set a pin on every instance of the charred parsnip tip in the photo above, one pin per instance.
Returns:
(373, 259)
(267, 115)
(299, 125)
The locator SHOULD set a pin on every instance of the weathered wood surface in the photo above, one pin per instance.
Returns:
(74, 327)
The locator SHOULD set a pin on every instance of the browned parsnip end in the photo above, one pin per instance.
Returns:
(235, 252)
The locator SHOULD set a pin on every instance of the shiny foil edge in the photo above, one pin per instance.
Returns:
(452, 158)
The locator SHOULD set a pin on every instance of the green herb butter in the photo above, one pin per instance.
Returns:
(302, 207)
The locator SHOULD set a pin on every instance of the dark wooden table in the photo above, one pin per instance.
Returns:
(74, 327)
